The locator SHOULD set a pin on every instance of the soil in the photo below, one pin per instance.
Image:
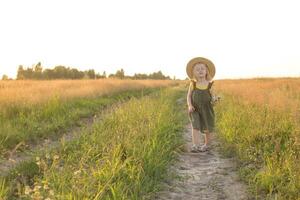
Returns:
(204, 175)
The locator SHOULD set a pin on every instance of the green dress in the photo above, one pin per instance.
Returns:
(203, 117)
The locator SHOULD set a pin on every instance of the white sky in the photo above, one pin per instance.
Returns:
(243, 38)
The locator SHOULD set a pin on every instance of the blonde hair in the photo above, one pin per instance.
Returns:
(207, 76)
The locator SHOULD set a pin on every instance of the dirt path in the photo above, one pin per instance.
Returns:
(204, 176)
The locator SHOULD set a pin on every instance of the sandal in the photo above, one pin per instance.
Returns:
(203, 148)
(195, 148)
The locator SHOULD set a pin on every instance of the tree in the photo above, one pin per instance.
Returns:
(38, 69)
(120, 74)
(157, 75)
(140, 76)
(60, 72)
(29, 73)
(91, 73)
(101, 76)
(20, 73)
(48, 74)
(111, 75)
(5, 77)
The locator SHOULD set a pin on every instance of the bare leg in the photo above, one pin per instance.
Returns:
(195, 136)
(207, 137)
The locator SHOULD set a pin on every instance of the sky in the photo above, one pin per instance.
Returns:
(244, 39)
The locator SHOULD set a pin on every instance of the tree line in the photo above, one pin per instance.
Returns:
(59, 72)
(37, 72)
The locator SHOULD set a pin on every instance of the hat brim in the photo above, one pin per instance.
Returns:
(207, 62)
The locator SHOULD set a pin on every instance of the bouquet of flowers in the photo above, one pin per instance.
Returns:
(215, 99)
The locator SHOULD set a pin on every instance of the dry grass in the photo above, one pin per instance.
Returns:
(33, 92)
(124, 156)
(259, 120)
(30, 110)
(280, 94)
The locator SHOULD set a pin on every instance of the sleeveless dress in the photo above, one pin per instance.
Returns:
(203, 117)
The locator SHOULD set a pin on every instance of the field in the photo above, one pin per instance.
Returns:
(259, 123)
(31, 110)
(115, 158)
(126, 153)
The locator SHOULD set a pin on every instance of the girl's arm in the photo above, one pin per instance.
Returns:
(212, 91)
(189, 95)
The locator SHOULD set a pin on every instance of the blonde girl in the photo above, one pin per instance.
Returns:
(200, 100)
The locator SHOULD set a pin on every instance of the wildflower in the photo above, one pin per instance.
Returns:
(37, 187)
(51, 192)
(77, 172)
(55, 157)
(27, 190)
(46, 187)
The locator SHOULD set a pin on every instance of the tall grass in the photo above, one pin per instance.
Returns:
(30, 92)
(29, 111)
(3, 189)
(277, 93)
(125, 156)
(262, 130)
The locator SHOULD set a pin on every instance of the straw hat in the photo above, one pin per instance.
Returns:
(194, 61)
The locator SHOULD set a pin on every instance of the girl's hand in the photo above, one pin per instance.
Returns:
(191, 108)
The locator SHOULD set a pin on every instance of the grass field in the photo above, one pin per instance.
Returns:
(31, 110)
(124, 156)
(259, 122)
(31, 92)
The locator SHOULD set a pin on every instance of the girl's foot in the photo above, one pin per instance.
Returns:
(195, 148)
(203, 148)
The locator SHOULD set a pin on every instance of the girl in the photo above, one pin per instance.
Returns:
(200, 100)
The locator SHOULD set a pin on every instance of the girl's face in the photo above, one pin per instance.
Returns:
(200, 70)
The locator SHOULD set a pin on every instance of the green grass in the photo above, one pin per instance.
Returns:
(28, 124)
(124, 156)
(3, 189)
(265, 143)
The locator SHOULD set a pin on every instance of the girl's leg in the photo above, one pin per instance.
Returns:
(206, 137)
(195, 136)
